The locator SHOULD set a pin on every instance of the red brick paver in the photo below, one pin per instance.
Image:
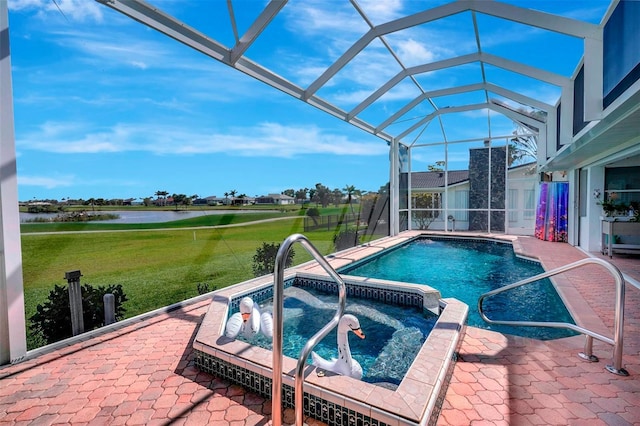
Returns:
(143, 372)
(545, 382)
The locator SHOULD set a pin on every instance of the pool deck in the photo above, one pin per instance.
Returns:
(141, 372)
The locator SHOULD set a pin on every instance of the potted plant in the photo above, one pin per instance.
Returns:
(610, 206)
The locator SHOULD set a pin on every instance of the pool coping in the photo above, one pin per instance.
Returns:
(416, 401)
(366, 403)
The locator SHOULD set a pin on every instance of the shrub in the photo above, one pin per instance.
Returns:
(265, 259)
(204, 288)
(346, 239)
(53, 318)
(313, 212)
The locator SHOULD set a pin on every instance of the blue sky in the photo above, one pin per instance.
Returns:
(108, 108)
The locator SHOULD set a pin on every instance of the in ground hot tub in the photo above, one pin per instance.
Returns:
(334, 399)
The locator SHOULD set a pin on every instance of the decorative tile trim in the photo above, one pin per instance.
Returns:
(437, 408)
(386, 295)
(258, 295)
(382, 294)
(220, 360)
(313, 406)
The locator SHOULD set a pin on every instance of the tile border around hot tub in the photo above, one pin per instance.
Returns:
(214, 354)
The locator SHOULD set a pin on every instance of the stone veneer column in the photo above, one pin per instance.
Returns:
(479, 178)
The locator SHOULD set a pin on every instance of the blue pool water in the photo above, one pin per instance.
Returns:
(465, 269)
(394, 334)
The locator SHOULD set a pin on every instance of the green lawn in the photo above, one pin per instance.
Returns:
(156, 267)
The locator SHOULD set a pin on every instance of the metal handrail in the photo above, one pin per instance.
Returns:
(618, 323)
(280, 265)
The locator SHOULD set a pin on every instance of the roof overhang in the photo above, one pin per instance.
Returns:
(617, 131)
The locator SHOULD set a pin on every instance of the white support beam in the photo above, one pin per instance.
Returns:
(158, 20)
(459, 141)
(461, 60)
(544, 140)
(593, 79)
(523, 69)
(266, 16)
(165, 24)
(450, 110)
(333, 69)
(559, 24)
(519, 97)
(394, 188)
(389, 27)
(519, 68)
(408, 107)
(464, 89)
(13, 334)
(154, 18)
(534, 18)
(566, 115)
(515, 115)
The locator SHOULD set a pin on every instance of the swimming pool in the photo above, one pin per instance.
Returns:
(467, 268)
(394, 333)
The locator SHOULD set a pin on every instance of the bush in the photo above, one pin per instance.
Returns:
(313, 212)
(346, 239)
(52, 320)
(264, 260)
(204, 288)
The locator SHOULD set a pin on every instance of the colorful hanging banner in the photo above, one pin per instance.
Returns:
(551, 217)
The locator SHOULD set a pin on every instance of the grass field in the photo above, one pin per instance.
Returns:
(157, 266)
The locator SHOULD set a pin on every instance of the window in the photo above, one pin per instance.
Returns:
(529, 203)
(513, 205)
(461, 201)
(624, 182)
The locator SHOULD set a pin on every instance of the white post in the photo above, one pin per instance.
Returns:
(409, 193)
(394, 199)
(13, 335)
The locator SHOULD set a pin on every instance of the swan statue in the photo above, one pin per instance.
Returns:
(345, 365)
(249, 321)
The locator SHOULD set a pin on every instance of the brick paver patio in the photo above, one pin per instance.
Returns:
(142, 373)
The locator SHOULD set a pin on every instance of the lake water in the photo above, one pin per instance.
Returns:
(132, 216)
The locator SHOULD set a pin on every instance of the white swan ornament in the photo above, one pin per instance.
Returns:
(249, 321)
(345, 365)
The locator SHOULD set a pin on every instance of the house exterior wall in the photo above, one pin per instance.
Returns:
(520, 204)
(523, 192)
(621, 98)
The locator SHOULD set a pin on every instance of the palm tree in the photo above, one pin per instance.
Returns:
(523, 147)
(350, 191)
(162, 195)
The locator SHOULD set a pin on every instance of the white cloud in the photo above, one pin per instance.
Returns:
(111, 49)
(72, 10)
(381, 11)
(47, 182)
(264, 140)
(329, 20)
(414, 52)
